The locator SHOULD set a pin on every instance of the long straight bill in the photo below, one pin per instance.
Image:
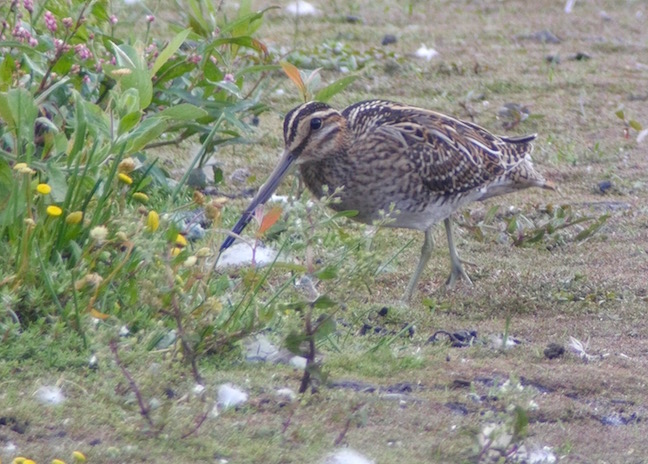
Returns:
(261, 197)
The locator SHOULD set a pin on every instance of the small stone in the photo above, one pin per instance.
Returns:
(298, 362)
(301, 8)
(383, 311)
(580, 56)
(426, 53)
(260, 349)
(605, 16)
(544, 36)
(239, 176)
(229, 396)
(93, 362)
(197, 178)
(389, 39)
(287, 394)
(166, 341)
(552, 59)
(347, 456)
(554, 350)
(353, 19)
(50, 395)
(604, 186)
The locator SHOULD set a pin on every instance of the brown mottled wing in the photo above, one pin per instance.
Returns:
(452, 156)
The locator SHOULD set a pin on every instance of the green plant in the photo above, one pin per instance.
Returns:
(79, 110)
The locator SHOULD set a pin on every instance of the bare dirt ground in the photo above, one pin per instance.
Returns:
(431, 402)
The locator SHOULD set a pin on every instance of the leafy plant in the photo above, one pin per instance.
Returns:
(79, 110)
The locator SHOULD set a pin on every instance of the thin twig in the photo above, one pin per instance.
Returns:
(144, 410)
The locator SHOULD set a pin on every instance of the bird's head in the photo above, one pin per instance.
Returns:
(312, 132)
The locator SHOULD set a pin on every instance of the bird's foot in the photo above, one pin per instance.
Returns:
(457, 273)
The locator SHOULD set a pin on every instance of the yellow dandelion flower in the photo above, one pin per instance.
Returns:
(181, 240)
(19, 459)
(54, 211)
(176, 251)
(57, 461)
(126, 165)
(152, 221)
(75, 217)
(78, 456)
(125, 178)
(43, 189)
(141, 197)
(29, 461)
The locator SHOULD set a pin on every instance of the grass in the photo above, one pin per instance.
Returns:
(593, 290)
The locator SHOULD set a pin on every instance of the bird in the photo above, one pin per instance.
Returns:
(382, 156)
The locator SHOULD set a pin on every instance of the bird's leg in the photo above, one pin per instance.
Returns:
(426, 252)
(457, 271)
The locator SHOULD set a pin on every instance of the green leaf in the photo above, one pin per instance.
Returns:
(7, 67)
(325, 327)
(520, 423)
(169, 50)
(6, 183)
(183, 112)
(139, 80)
(128, 122)
(293, 342)
(592, 229)
(323, 302)
(146, 132)
(635, 125)
(24, 112)
(345, 214)
(328, 273)
(620, 114)
(231, 88)
(56, 180)
(333, 89)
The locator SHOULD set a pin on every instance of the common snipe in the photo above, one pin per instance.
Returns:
(387, 156)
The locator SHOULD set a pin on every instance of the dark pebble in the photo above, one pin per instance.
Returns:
(605, 185)
(554, 350)
(389, 39)
(353, 19)
(458, 383)
(383, 311)
(552, 59)
(581, 56)
(457, 408)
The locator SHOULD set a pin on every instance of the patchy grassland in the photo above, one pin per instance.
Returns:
(594, 290)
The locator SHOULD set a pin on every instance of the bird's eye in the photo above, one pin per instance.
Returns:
(316, 123)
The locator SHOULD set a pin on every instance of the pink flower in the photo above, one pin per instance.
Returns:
(67, 22)
(86, 80)
(50, 21)
(113, 19)
(29, 5)
(150, 18)
(228, 78)
(194, 58)
(82, 51)
(33, 42)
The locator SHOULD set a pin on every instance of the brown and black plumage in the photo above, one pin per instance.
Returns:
(385, 156)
